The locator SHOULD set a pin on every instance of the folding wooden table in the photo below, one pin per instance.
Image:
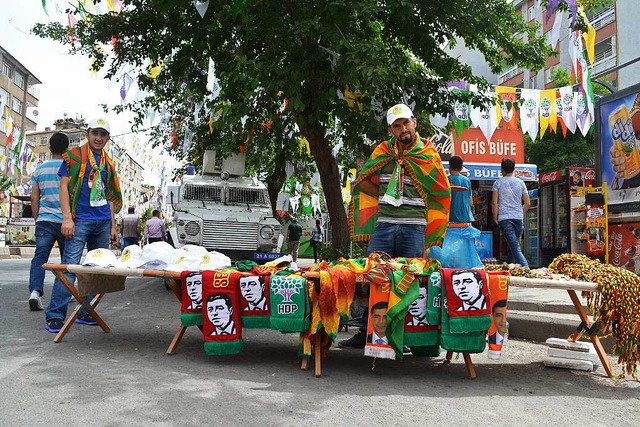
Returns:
(99, 281)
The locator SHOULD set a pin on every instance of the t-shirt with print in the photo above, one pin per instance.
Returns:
(460, 200)
(84, 210)
(47, 180)
(510, 191)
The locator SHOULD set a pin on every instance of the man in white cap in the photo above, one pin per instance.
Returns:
(401, 197)
(89, 199)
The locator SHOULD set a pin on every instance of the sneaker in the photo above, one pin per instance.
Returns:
(356, 341)
(86, 319)
(35, 301)
(54, 325)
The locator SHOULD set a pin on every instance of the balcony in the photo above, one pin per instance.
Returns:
(509, 74)
(603, 61)
(603, 17)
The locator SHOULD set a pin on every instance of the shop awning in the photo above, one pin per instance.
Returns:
(491, 171)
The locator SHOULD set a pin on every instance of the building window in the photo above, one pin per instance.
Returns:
(43, 140)
(532, 83)
(6, 69)
(605, 55)
(547, 74)
(16, 105)
(42, 157)
(2, 150)
(531, 13)
(4, 98)
(18, 79)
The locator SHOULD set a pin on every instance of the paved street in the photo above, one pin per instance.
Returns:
(125, 377)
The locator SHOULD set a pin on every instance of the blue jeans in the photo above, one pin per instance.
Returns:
(47, 233)
(512, 229)
(95, 234)
(128, 241)
(397, 240)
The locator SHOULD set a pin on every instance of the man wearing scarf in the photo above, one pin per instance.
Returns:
(401, 197)
(89, 198)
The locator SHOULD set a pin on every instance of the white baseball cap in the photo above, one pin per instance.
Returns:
(100, 258)
(398, 111)
(195, 250)
(161, 251)
(130, 257)
(99, 123)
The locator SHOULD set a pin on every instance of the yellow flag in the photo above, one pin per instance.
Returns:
(154, 70)
(505, 110)
(547, 110)
(589, 37)
(210, 124)
(304, 144)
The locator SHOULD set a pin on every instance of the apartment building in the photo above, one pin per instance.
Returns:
(18, 99)
(616, 44)
(38, 141)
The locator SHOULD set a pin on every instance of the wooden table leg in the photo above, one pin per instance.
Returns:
(448, 357)
(176, 340)
(318, 354)
(304, 363)
(471, 371)
(74, 314)
(604, 359)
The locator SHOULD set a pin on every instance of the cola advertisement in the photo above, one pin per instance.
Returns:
(596, 226)
(618, 148)
(624, 246)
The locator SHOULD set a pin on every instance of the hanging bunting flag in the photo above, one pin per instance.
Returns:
(485, 119)
(568, 112)
(529, 112)
(560, 114)
(44, 6)
(583, 119)
(201, 6)
(461, 109)
(72, 23)
(303, 145)
(154, 70)
(589, 37)
(586, 84)
(554, 35)
(506, 113)
(547, 109)
(210, 124)
(551, 7)
(127, 80)
(188, 137)
(353, 99)
(575, 49)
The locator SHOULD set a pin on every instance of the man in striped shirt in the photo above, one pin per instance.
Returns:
(45, 204)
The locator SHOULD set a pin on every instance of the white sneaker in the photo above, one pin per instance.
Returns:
(35, 301)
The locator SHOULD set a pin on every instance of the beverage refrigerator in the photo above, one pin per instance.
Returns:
(531, 240)
(560, 214)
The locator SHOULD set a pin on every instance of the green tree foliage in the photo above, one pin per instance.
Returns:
(554, 151)
(307, 52)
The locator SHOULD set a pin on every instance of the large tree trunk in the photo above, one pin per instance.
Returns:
(330, 179)
(274, 183)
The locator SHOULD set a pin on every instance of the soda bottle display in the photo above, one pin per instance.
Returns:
(624, 139)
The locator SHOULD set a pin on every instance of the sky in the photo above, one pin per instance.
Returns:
(68, 86)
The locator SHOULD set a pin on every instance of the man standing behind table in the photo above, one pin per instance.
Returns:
(401, 198)
(89, 198)
(461, 201)
(45, 206)
(510, 202)
(130, 228)
(154, 231)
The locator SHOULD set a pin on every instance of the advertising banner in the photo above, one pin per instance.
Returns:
(473, 146)
(579, 178)
(624, 246)
(619, 121)
(491, 171)
(596, 224)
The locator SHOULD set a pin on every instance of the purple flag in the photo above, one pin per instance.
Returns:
(553, 4)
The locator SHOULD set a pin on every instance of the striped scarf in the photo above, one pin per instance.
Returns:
(76, 160)
(423, 166)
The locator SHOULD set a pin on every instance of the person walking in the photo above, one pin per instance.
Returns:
(293, 238)
(510, 203)
(401, 197)
(154, 230)
(316, 240)
(130, 228)
(89, 199)
(45, 207)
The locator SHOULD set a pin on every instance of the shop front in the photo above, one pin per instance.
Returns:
(482, 160)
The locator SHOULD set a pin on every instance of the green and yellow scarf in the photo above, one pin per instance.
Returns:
(423, 165)
(76, 160)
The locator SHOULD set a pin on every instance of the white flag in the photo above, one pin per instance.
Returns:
(568, 110)
(529, 112)
(485, 119)
(583, 118)
(575, 50)
(554, 35)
